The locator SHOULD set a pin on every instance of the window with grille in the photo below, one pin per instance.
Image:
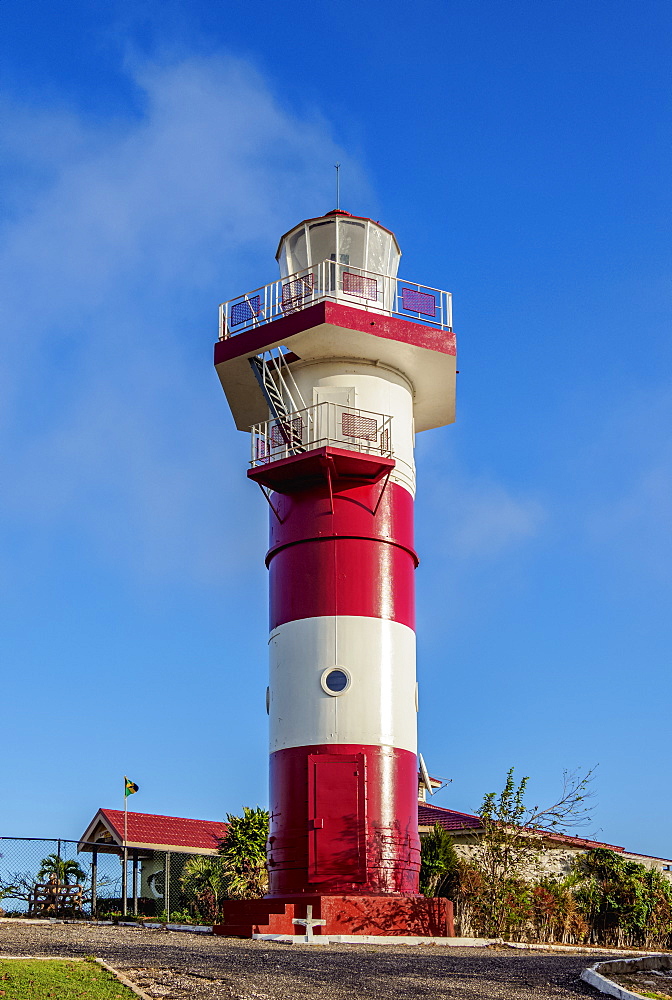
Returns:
(418, 302)
(385, 439)
(294, 292)
(287, 432)
(359, 285)
(355, 426)
(246, 310)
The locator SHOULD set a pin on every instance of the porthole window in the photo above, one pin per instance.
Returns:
(335, 681)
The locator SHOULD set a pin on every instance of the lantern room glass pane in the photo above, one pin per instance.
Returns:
(381, 257)
(322, 237)
(298, 252)
(351, 242)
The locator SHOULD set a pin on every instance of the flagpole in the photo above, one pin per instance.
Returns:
(124, 860)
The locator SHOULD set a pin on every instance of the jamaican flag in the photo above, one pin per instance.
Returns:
(129, 787)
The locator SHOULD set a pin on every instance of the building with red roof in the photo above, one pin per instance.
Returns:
(152, 841)
(158, 846)
(561, 849)
(146, 832)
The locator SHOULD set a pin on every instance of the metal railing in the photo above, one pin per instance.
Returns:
(51, 878)
(318, 426)
(337, 282)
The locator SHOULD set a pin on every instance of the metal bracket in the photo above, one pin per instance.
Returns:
(380, 495)
(268, 501)
(331, 490)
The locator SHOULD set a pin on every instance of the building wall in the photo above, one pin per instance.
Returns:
(555, 861)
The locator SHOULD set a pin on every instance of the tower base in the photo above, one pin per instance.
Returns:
(384, 915)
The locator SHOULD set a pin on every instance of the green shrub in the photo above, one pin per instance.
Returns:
(243, 854)
(439, 864)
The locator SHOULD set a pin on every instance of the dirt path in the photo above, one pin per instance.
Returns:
(175, 966)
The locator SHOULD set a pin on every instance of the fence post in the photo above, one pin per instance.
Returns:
(135, 883)
(166, 884)
(94, 882)
(124, 882)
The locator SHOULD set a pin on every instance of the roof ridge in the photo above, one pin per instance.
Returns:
(455, 812)
(182, 819)
(550, 834)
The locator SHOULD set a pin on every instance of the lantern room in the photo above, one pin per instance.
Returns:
(348, 240)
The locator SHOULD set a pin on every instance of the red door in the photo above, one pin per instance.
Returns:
(336, 817)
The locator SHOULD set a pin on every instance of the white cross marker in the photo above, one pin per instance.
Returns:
(308, 922)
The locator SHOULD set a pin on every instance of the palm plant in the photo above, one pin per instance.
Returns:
(439, 864)
(67, 872)
(243, 854)
(204, 881)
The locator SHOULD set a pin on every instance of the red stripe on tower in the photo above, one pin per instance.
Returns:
(347, 552)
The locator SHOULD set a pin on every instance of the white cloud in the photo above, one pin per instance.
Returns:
(122, 237)
(486, 519)
(629, 502)
(474, 517)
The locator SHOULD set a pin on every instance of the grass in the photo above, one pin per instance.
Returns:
(26, 979)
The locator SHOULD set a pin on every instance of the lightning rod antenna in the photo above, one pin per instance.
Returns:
(338, 185)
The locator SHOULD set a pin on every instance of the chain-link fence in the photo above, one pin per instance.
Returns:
(68, 878)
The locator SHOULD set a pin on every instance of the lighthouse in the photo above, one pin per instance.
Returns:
(332, 369)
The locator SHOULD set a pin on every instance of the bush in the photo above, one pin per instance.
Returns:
(243, 854)
(625, 903)
(205, 883)
(604, 900)
(439, 864)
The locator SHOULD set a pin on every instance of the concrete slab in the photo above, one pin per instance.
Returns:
(443, 942)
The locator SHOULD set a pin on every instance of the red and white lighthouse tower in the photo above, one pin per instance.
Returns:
(335, 367)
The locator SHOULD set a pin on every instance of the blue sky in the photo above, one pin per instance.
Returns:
(152, 154)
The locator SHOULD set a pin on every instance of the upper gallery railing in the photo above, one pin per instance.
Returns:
(338, 282)
(318, 426)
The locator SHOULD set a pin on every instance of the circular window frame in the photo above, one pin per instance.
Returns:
(325, 674)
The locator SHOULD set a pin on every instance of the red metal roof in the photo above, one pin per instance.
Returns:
(428, 815)
(565, 838)
(453, 821)
(148, 829)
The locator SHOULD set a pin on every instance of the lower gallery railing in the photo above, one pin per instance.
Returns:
(323, 424)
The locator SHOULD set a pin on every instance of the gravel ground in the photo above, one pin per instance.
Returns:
(651, 981)
(174, 966)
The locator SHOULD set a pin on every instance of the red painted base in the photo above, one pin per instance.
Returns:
(381, 915)
(344, 820)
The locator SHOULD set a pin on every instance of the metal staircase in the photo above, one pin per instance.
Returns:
(274, 378)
